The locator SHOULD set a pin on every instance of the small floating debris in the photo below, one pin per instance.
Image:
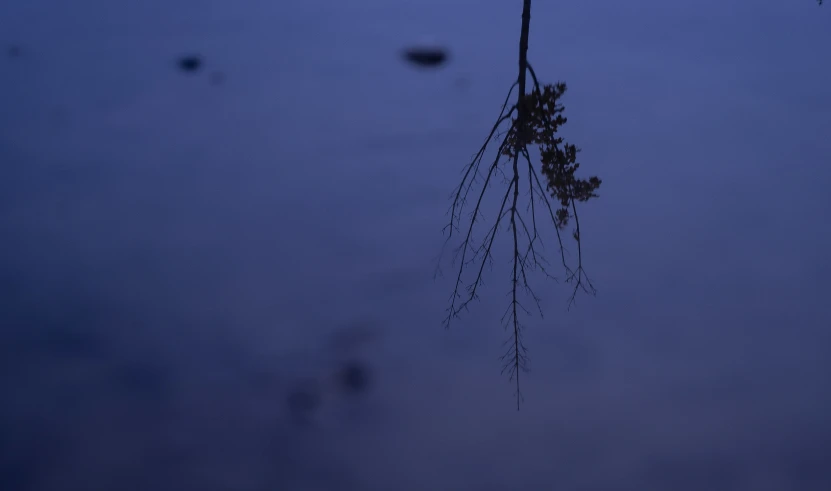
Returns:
(190, 63)
(354, 377)
(426, 55)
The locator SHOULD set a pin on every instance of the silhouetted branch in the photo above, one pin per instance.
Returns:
(534, 120)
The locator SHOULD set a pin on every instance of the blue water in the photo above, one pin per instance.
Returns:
(186, 266)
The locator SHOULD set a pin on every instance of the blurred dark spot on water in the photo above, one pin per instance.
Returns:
(302, 402)
(13, 51)
(426, 56)
(354, 377)
(190, 63)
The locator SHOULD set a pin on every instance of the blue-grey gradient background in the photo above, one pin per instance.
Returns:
(176, 255)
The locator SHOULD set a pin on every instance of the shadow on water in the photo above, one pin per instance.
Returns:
(354, 377)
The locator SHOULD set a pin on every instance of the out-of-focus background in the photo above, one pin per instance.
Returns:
(222, 279)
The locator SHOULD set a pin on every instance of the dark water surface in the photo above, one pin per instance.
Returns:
(222, 280)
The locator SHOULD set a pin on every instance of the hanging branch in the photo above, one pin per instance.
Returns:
(534, 119)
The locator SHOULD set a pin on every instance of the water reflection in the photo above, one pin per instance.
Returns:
(188, 273)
